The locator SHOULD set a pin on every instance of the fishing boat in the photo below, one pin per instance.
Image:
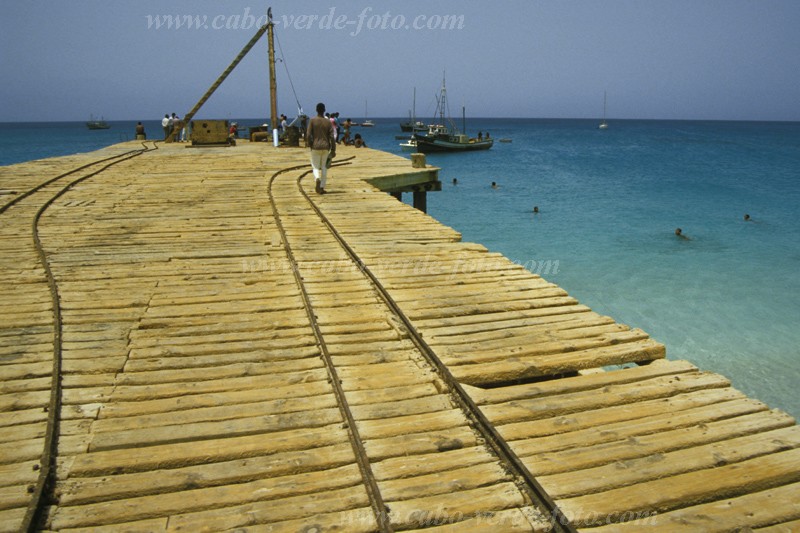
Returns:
(443, 138)
(603, 124)
(413, 125)
(101, 124)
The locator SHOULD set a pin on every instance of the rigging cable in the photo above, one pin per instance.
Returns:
(291, 84)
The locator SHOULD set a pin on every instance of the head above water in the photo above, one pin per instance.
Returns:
(320, 108)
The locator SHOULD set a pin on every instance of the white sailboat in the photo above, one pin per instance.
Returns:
(603, 124)
(367, 123)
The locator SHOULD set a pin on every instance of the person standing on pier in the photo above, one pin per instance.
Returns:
(166, 125)
(320, 138)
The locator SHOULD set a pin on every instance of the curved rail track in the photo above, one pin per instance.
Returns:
(199, 394)
(507, 472)
(459, 399)
(51, 190)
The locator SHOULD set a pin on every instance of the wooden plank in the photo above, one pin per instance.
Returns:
(620, 448)
(608, 396)
(217, 429)
(641, 418)
(85, 490)
(277, 399)
(566, 385)
(453, 507)
(198, 500)
(784, 527)
(516, 368)
(512, 520)
(692, 488)
(442, 483)
(394, 426)
(661, 465)
(772, 510)
(420, 443)
(238, 409)
(183, 454)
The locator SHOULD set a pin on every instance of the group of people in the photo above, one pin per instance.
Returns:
(341, 131)
(169, 123)
(322, 135)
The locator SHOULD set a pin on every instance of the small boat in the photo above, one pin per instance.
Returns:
(603, 124)
(101, 124)
(505, 140)
(441, 138)
(409, 146)
(367, 123)
(413, 125)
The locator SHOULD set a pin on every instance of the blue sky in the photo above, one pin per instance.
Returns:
(675, 59)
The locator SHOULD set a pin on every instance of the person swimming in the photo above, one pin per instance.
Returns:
(494, 185)
(679, 233)
(536, 209)
(747, 218)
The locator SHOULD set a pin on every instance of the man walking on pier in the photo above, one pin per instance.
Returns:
(320, 138)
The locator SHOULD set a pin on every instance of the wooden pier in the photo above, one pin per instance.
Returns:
(239, 353)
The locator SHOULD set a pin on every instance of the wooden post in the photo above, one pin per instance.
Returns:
(273, 85)
(421, 201)
(418, 160)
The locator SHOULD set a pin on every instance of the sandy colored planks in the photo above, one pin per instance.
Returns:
(629, 445)
(195, 395)
(427, 425)
(216, 362)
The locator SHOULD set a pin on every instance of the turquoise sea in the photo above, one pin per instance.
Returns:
(609, 202)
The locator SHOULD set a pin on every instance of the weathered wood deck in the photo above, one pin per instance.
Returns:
(196, 395)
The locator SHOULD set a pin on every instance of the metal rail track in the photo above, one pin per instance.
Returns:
(42, 492)
(525, 479)
(42, 495)
(44, 184)
(376, 501)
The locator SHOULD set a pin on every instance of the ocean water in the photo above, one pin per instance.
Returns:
(727, 299)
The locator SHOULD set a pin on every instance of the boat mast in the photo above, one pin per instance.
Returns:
(414, 110)
(442, 101)
(605, 95)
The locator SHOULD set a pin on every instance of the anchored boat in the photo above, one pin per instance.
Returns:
(101, 124)
(443, 138)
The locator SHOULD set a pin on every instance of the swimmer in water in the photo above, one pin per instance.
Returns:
(747, 218)
(679, 233)
(536, 209)
(455, 181)
(494, 185)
